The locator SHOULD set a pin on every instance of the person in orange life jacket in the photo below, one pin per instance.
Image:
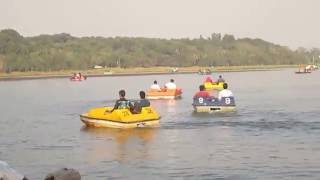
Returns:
(202, 93)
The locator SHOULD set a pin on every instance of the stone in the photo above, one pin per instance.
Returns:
(64, 174)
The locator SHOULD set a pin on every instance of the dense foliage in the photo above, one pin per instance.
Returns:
(62, 51)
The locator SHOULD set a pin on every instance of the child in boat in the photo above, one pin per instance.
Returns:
(202, 93)
(225, 92)
(122, 102)
(155, 86)
(170, 85)
(143, 102)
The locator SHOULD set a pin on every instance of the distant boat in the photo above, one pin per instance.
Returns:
(204, 72)
(302, 72)
(304, 69)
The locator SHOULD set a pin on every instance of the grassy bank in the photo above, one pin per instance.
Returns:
(134, 71)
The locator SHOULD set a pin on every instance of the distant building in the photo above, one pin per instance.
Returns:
(97, 67)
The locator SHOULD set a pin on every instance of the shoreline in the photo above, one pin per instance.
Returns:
(112, 72)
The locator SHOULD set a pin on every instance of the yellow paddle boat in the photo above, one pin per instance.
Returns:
(213, 86)
(120, 118)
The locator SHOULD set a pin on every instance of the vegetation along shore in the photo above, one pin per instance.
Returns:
(59, 55)
(134, 71)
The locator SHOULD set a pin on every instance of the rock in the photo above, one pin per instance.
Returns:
(7, 173)
(64, 174)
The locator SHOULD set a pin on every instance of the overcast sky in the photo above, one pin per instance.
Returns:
(291, 23)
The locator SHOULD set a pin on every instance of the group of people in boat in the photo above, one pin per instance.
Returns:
(78, 76)
(210, 80)
(168, 85)
(225, 92)
(134, 106)
(221, 94)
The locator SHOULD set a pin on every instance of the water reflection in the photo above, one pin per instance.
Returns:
(122, 136)
(169, 105)
(126, 144)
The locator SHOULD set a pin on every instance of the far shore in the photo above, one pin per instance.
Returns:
(136, 71)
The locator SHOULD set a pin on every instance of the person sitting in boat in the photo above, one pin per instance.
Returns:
(202, 93)
(170, 85)
(220, 80)
(122, 102)
(208, 80)
(143, 102)
(225, 92)
(155, 86)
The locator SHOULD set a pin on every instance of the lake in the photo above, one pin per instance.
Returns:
(275, 133)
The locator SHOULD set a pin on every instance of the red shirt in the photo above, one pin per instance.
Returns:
(202, 94)
(209, 80)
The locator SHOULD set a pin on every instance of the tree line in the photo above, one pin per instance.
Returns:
(65, 52)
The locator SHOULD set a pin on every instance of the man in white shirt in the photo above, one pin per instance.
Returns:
(171, 85)
(155, 86)
(225, 92)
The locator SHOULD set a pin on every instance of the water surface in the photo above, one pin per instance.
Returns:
(274, 134)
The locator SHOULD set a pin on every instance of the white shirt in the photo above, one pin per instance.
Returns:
(225, 93)
(155, 86)
(171, 85)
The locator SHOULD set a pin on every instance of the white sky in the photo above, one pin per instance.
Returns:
(292, 23)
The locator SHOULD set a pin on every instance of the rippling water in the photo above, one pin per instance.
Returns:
(274, 134)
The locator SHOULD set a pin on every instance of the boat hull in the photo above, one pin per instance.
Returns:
(120, 118)
(209, 109)
(208, 105)
(164, 94)
(101, 123)
(303, 72)
(164, 97)
(212, 86)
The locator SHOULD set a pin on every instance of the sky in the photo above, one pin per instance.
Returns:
(292, 23)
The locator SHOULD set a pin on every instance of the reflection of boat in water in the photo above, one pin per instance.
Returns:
(78, 78)
(117, 144)
(121, 135)
(120, 118)
(213, 86)
(226, 104)
(164, 94)
(302, 72)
